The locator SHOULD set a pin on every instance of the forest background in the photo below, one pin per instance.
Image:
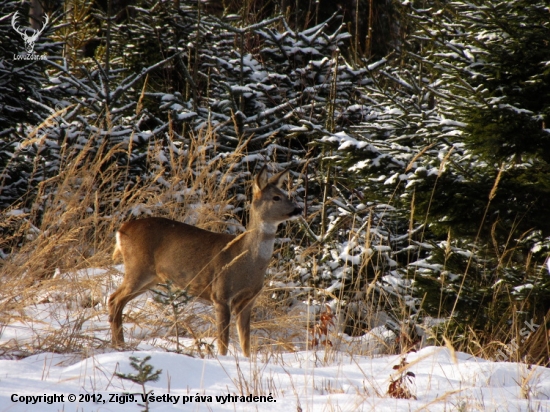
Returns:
(416, 131)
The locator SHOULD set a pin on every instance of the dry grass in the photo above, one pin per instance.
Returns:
(61, 264)
(71, 224)
(69, 233)
(57, 282)
(70, 228)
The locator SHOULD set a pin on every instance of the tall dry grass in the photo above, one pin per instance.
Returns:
(70, 227)
(65, 238)
(71, 223)
(74, 216)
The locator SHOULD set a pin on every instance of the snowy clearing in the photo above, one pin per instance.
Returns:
(313, 381)
(338, 378)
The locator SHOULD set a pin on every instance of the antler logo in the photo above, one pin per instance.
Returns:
(29, 40)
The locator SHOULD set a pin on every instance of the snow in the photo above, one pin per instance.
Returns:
(449, 122)
(311, 380)
(345, 141)
(241, 89)
(520, 288)
(340, 376)
(186, 116)
(15, 212)
(423, 264)
(375, 65)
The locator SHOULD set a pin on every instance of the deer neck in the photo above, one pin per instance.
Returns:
(260, 238)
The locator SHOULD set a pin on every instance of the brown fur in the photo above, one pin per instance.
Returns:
(223, 269)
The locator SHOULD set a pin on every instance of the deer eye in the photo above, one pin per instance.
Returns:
(276, 198)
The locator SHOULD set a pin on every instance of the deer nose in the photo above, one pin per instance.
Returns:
(296, 212)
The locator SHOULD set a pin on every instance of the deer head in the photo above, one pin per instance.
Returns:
(29, 40)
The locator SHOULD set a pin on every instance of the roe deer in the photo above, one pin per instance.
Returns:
(223, 269)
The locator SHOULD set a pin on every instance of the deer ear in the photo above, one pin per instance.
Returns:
(261, 180)
(280, 178)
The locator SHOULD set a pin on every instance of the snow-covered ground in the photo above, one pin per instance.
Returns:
(334, 379)
(286, 382)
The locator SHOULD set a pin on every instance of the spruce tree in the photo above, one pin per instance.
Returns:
(456, 140)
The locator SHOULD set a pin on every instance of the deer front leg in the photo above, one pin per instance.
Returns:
(243, 327)
(223, 317)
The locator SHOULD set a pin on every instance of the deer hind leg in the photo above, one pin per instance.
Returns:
(223, 318)
(130, 288)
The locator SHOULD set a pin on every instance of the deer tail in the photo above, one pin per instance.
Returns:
(117, 252)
